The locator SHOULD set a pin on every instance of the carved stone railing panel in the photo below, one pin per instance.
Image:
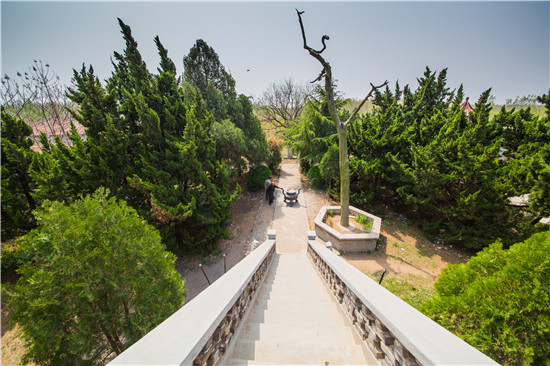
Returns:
(201, 332)
(218, 343)
(394, 332)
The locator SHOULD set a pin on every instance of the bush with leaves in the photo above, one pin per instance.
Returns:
(274, 158)
(98, 281)
(255, 178)
(499, 301)
(17, 186)
(316, 178)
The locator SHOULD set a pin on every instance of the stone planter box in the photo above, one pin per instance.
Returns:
(348, 242)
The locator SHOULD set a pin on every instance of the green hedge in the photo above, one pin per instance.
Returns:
(256, 177)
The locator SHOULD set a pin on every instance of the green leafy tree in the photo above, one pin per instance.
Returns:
(419, 151)
(526, 147)
(275, 158)
(499, 301)
(315, 132)
(204, 70)
(329, 166)
(202, 66)
(151, 140)
(99, 280)
(230, 142)
(17, 186)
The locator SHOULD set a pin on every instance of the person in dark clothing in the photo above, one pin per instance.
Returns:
(271, 192)
(267, 184)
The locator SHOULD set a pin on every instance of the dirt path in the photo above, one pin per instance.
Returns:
(252, 216)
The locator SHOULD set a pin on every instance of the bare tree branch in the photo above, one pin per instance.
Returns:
(319, 77)
(282, 103)
(327, 72)
(340, 126)
(356, 110)
(38, 98)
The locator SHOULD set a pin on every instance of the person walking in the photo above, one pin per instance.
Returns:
(267, 184)
(271, 192)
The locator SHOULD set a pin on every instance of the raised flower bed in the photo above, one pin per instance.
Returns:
(348, 239)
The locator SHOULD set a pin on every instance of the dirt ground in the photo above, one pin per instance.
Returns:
(402, 249)
(252, 217)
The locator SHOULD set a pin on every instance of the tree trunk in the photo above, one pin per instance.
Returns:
(342, 127)
(344, 174)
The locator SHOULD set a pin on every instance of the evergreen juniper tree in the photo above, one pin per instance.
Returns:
(17, 186)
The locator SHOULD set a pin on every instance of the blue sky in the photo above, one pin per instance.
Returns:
(499, 45)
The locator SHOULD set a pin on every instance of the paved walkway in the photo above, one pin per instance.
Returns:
(295, 319)
(290, 219)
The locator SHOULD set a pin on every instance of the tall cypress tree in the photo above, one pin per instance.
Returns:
(17, 186)
(424, 154)
(148, 141)
(204, 70)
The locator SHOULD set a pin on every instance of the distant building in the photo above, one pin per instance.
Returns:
(466, 107)
(52, 129)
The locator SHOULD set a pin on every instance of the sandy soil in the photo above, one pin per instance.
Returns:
(252, 217)
(402, 248)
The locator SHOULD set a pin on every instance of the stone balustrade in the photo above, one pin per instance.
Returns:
(395, 332)
(201, 331)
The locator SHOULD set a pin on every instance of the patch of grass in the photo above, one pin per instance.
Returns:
(412, 289)
(365, 222)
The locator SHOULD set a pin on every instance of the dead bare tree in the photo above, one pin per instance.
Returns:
(38, 98)
(341, 126)
(282, 103)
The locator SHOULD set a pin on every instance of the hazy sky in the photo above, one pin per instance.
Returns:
(499, 45)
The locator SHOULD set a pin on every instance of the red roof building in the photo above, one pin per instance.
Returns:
(52, 130)
(466, 107)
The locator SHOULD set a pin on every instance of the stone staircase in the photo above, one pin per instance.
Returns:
(278, 307)
(295, 320)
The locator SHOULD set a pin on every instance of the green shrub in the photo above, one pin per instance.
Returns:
(364, 221)
(256, 177)
(315, 177)
(274, 157)
(499, 301)
(99, 280)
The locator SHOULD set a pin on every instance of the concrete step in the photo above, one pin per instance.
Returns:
(320, 334)
(301, 353)
(282, 316)
(240, 361)
(316, 303)
(295, 320)
(308, 293)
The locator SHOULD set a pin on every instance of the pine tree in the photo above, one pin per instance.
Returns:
(424, 154)
(149, 141)
(17, 186)
(204, 70)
